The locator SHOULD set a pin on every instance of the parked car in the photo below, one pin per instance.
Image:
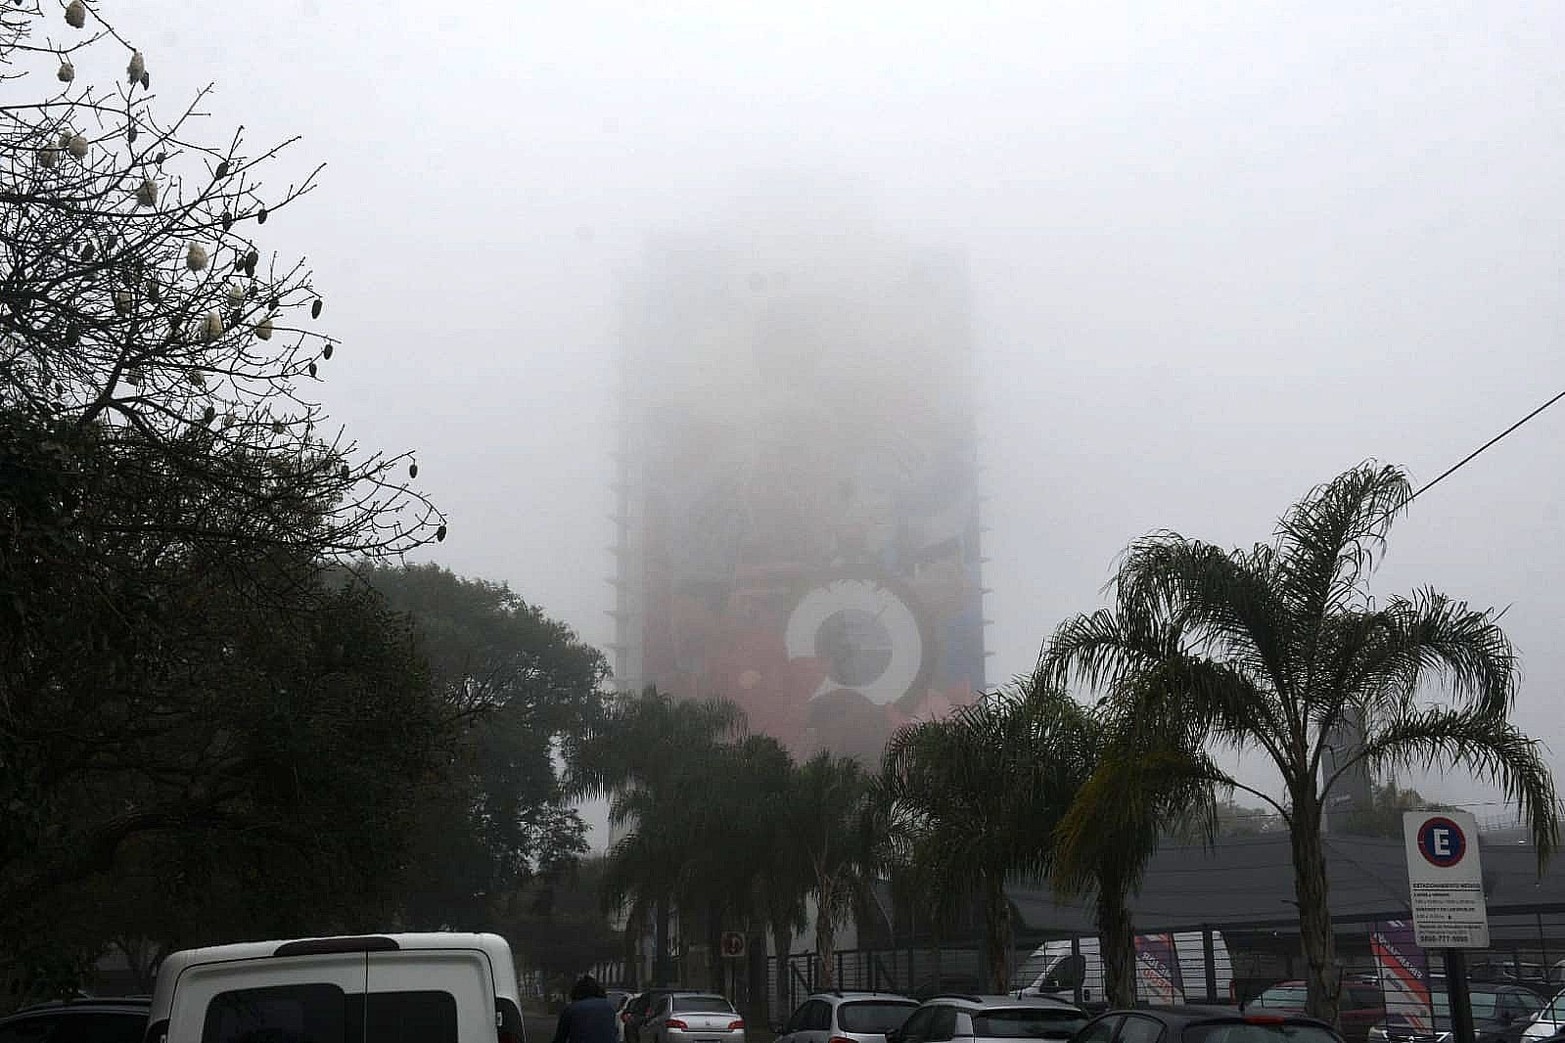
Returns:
(951, 983)
(858, 1017)
(1203, 1025)
(1361, 1008)
(1550, 1021)
(1501, 1013)
(1534, 976)
(118, 1020)
(692, 1017)
(634, 1014)
(982, 1019)
(419, 988)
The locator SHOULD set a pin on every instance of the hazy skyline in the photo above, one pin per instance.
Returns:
(1218, 253)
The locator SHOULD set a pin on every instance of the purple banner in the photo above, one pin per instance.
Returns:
(1404, 977)
(1158, 976)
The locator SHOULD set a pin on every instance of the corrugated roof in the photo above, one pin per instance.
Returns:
(1249, 881)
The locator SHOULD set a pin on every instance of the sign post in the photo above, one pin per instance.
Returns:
(1445, 879)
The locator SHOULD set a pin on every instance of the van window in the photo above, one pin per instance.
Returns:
(410, 1017)
(1069, 973)
(277, 1014)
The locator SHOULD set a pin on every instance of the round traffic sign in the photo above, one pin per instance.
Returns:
(1441, 842)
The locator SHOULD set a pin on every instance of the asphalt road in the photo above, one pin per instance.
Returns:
(539, 1027)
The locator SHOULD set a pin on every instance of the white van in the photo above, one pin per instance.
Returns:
(394, 988)
(1170, 968)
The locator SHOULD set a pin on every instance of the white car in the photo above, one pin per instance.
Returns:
(1548, 1021)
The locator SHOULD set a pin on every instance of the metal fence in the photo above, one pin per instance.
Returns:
(1214, 963)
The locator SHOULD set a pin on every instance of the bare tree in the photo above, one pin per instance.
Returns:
(137, 297)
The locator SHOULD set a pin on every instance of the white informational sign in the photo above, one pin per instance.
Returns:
(1446, 880)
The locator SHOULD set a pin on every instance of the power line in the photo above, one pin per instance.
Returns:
(1470, 456)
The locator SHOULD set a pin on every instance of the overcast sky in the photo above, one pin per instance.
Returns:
(1219, 252)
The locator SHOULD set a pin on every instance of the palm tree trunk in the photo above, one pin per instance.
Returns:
(714, 947)
(1117, 944)
(660, 969)
(1309, 886)
(997, 930)
(782, 941)
(826, 934)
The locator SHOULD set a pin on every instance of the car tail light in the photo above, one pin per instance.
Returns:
(675, 1023)
(625, 1017)
(841, 1039)
(738, 1023)
(1264, 1019)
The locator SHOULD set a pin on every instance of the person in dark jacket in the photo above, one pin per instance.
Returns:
(588, 1017)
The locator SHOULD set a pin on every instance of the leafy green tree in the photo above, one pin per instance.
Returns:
(516, 683)
(271, 793)
(555, 921)
(1274, 648)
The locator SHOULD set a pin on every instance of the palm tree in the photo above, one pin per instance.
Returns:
(1279, 648)
(646, 755)
(971, 802)
(828, 832)
(1131, 794)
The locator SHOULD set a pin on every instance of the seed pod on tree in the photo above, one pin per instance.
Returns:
(76, 14)
(195, 257)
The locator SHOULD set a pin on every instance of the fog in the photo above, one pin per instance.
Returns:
(1215, 254)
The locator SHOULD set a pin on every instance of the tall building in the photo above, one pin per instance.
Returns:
(797, 520)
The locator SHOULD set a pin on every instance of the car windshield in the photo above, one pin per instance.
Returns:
(699, 1004)
(1027, 1023)
(1248, 1032)
(873, 1016)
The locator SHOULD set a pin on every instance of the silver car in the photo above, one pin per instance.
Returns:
(859, 1017)
(991, 1019)
(693, 1017)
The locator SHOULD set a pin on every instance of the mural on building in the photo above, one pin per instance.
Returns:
(798, 510)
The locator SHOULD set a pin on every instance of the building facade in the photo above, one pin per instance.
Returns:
(797, 512)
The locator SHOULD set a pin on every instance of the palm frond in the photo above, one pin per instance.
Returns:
(1463, 648)
(1328, 542)
(1488, 746)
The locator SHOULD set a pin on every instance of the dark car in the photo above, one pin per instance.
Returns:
(121, 1020)
(1202, 1025)
(1361, 1006)
(1501, 1013)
